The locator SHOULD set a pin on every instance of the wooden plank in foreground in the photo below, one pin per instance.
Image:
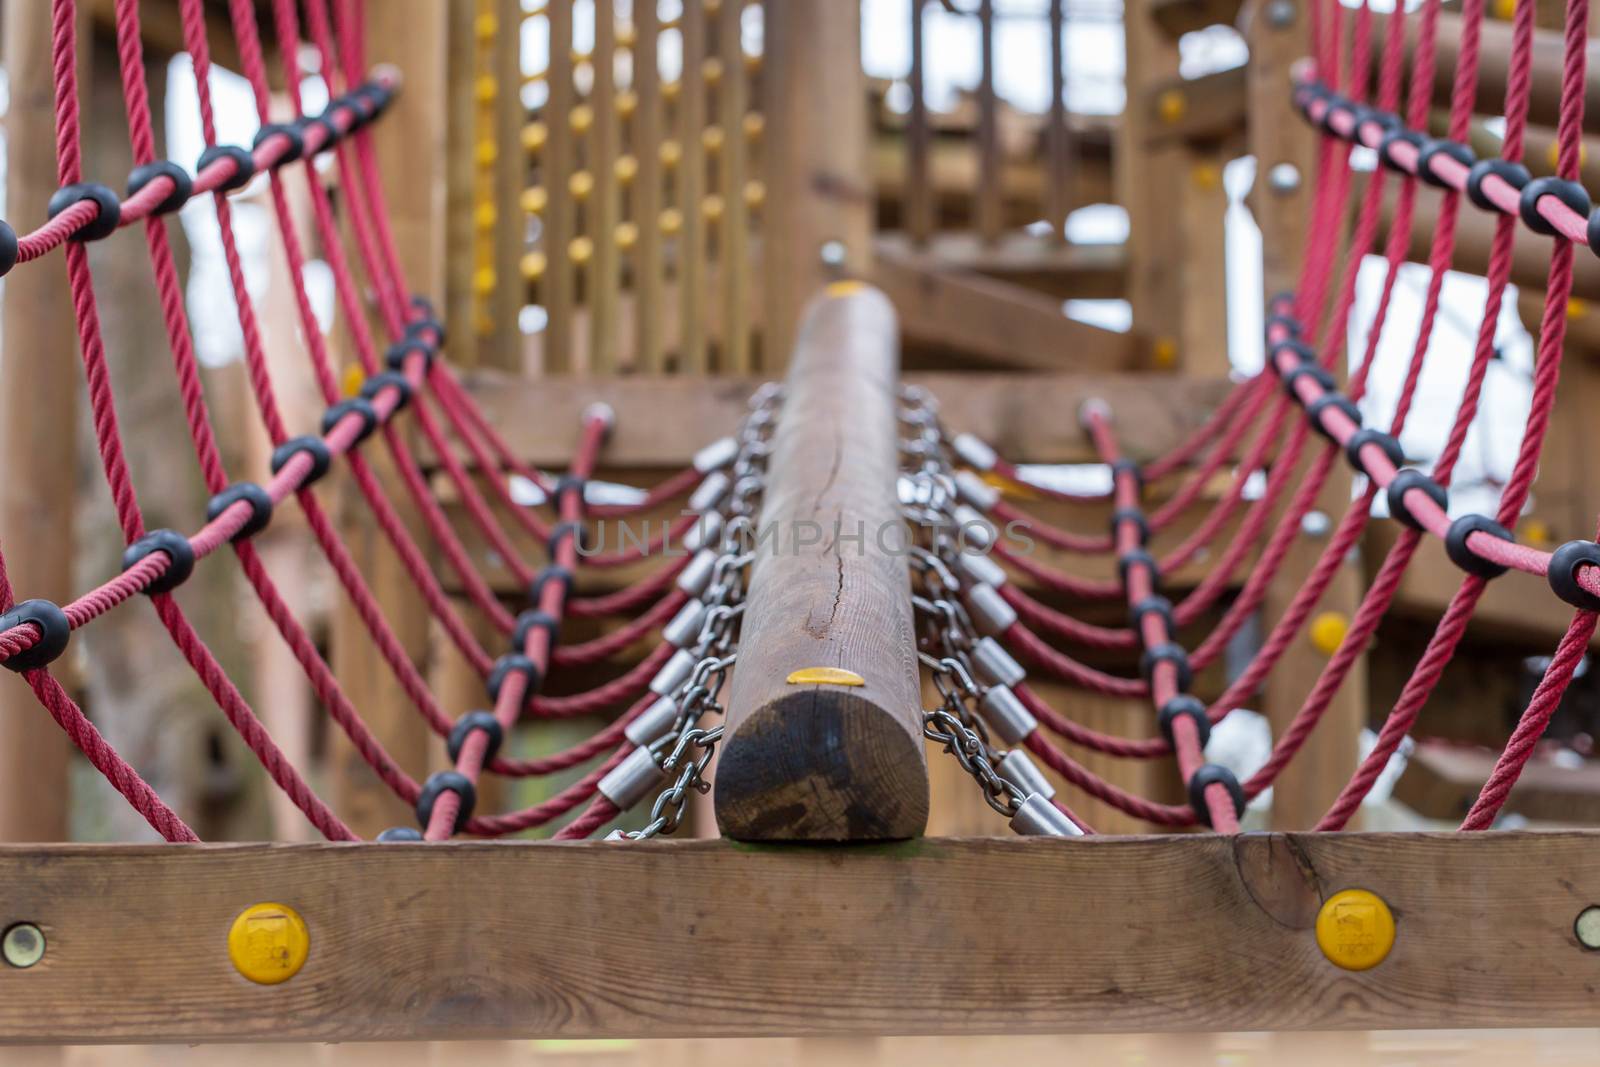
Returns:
(663, 421)
(481, 940)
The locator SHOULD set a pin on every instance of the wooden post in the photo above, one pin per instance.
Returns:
(819, 197)
(828, 588)
(37, 418)
(1276, 32)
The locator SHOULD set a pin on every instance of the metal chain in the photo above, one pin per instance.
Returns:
(673, 743)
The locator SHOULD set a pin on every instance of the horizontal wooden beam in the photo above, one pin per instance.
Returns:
(1442, 781)
(1178, 17)
(1003, 935)
(1028, 417)
(1034, 262)
(1209, 108)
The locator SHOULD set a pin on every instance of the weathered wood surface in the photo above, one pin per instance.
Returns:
(831, 588)
(1442, 782)
(1020, 414)
(529, 939)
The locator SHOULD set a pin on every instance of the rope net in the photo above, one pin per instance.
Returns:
(1293, 422)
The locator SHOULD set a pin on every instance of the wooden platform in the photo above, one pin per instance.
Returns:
(1197, 932)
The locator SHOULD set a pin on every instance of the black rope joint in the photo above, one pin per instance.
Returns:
(1288, 323)
(568, 483)
(560, 532)
(1184, 706)
(55, 630)
(1392, 138)
(357, 405)
(417, 327)
(1303, 354)
(315, 447)
(172, 544)
(104, 224)
(1338, 105)
(1442, 146)
(330, 131)
(1316, 409)
(1158, 605)
(250, 493)
(290, 131)
(470, 723)
(244, 165)
(388, 380)
(534, 619)
(1384, 120)
(1513, 174)
(1135, 516)
(507, 665)
(397, 354)
(1283, 303)
(182, 184)
(1167, 652)
(1562, 575)
(10, 248)
(1407, 479)
(440, 783)
(1569, 193)
(1138, 557)
(1315, 371)
(1208, 775)
(1461, 554)
(1127, 466)
(1368, 435)
(552, 572)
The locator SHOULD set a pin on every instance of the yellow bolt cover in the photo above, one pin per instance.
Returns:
(1553, 154)
(534, 135)
(1577, 307)
(533, 266)
(1355, 929)
(711, 70)
(582, 118)
(627, 235)
(354, 379)
(1328, 630)
(487, 87)
(754, 123)
(486, 26)
(580, 249)
(755, 193)
(671, 220)
(1537, 532)
(1172, 105)
(826, 675)
(534, 200)
(1165, 352)
(627, 169)
(580, 184)
(1207, 176)
(268, 943)
(627, 102)
(484, 216)
(669, 90)
(671, 152)
(483, 280)
(487, 153)
(711, 207)
(1505, 10)
(712, 138)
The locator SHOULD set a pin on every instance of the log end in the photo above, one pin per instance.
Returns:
(822, 764)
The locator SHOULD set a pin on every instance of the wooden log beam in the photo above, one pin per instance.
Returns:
(802, 940)
(1020, 414)
(829, 762)
(1209, 108)
(1442, 782)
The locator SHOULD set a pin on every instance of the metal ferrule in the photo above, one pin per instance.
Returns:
(1016, 768)
(975, 531)
(1039, 818)
(705, 531)
(975, 491)
(684, 628)
(697, 574)
(989, 609)
(977, 568)
(1006, 716)
(709, 493)
(994, 665)
(973, 452)
(652, 723)
(635, 778)
(716, 455)
(673, 673)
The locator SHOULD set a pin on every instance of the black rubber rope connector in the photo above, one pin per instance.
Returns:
(1208, 775)
(1367, 435)
(55, 631)
(507, 665)
(249, 493)
(313, 446)
(358, 405)
(172, 544)
(1513, 174)
(1570, 193)
(473, 722)
(104, 224)
(244, 165)
(1184, 706)
(10, 248)
(1407, 479)
(182, 184)
(1169, 652)
(1461, 554)
(438, 784)
(1563, 573)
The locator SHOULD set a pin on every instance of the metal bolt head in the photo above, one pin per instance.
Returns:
(1587, 927)
(1280, 14)
(22, 945)
(1316, 524)
(833, 253)
(1283, 178)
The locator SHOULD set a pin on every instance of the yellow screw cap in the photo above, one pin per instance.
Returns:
(1505, 10)
(581, 184)
(268, 943)
(671, 220)
(353, 380)
(1165, 352)
(534, 200)
(533, 266)
(627, 235)
(487, 153)
(1355, 929)
(671, 152)
(755, 193)
(486, 26)
(825, 675)
(486, 89)
(627, 102)
(627, 169)
(1172, 105)
(1206, 176)
(754, 123)
(844, 288)
(534, 135)
(711, 207)
(711, 70)
(484, 216)
(483, 280)
(580, 249)
(1537, 532)
(1577, 307)
(1328, 630)
(582, 118)
(712, 138)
